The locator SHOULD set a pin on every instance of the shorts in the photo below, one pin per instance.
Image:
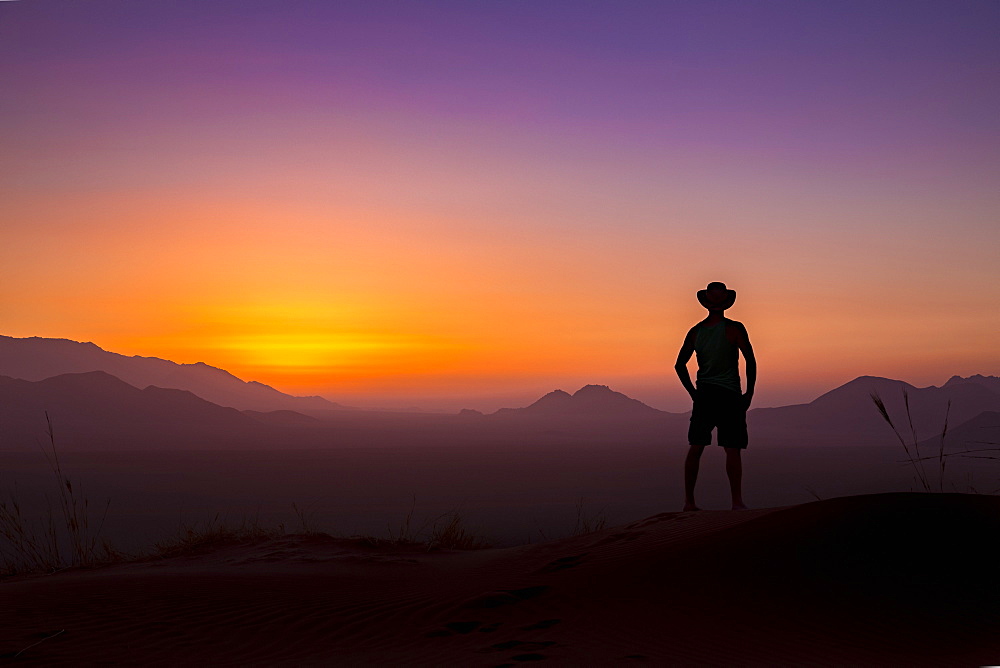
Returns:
(719, 408)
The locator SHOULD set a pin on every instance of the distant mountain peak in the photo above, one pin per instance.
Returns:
(90, 378)
(978, 378)
(868, 383)
(594, 390)
(991, 383)
(592, 400)
(555, 401)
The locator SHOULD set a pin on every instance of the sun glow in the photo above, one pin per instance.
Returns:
(329, 207)
(305, 349)
(304, 342)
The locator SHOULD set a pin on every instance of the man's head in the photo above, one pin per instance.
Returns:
(716, 297)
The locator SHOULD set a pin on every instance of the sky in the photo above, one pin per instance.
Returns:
(469, 204)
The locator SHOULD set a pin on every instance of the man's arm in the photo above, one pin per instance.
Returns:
(687, 349)
(751, 364)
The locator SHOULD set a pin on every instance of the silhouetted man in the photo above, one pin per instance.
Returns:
(719, 403)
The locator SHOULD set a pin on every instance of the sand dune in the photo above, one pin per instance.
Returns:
(904, 579)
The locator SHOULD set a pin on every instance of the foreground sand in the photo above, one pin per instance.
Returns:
(900, 579)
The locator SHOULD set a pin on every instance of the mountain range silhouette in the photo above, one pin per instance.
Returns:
(38, 358)
(99, 409)
(95, 410)
(588, 400)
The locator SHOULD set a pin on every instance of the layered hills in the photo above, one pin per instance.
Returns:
(589, 400)
(156, 403)
(38, 358)
(97, 411)
(847, 415)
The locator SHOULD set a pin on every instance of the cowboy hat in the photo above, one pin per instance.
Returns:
(716, 296)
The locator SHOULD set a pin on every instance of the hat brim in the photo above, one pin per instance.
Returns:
(723, 305)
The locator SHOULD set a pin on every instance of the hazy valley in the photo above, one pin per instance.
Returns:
(166, 455)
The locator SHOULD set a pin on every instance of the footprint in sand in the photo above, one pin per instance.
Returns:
(439, 633)
(662, 517)
(495, 599)
(462, 628)
(563, 563)
(626, 535)
(451, 628)
(523, 647)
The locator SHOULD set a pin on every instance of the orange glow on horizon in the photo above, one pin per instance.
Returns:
(331, 201)
(363, 303)
(353, 295)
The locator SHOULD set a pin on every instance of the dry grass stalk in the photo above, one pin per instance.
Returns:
(75, 511)
(23, 547)
(450, 534)
(917, 460)
(48, 637)
(404, 534)
(941, 458)
(305, 520)
(914, 457)
(215, 533)
(29, 548)
(584, 524)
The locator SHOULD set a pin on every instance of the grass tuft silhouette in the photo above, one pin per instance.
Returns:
(62, 539)
(916, 459)
(215, 533)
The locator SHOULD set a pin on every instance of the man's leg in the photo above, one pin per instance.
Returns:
(734, 469)
(691, 475)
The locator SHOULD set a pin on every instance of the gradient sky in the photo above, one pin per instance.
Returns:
(468, 204)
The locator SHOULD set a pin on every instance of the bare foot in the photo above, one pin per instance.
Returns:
(740, 506)
(690, 506)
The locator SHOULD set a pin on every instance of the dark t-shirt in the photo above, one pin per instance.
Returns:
(718, 355)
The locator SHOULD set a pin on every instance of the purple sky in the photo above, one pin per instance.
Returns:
(575, 158)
